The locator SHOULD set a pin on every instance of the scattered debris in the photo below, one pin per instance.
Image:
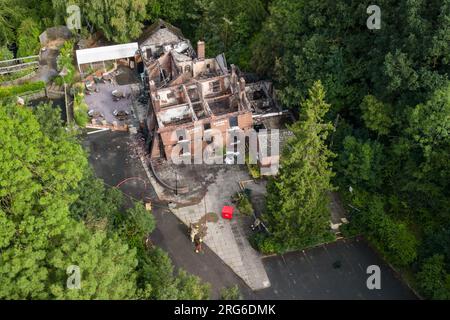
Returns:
(121, 114)
(118, 94)
(95, 114)
(90, 86)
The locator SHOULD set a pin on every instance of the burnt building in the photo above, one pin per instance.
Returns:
(191, 93)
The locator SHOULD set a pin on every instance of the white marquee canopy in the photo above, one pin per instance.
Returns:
(106, 53)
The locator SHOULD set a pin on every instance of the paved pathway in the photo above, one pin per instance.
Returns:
(227, 238)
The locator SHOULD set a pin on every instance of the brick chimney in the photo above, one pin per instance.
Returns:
(201, 50)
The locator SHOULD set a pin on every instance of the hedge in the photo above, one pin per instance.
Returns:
(23, 88)
(80, 110)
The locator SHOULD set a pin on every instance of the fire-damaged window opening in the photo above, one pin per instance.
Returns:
(171, 95)
(215, 86)
(210, 140)
(233, 122)
(180, 134)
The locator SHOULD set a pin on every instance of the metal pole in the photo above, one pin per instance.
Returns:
(176, 183)
(65, 101)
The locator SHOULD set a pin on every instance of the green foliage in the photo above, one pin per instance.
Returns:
(392, 238)
(244, 204)
(16, 75)
(303, 41)
(28, 38)
(65, 63)
(28, 87)
(80, 110)
(120, 20)
(359, 164)
(14, 12)
(5, 54)
(107, 265)
(433, 279)
(253, 169)
(135, 224)
(376, 115)
(49, 118)
(37, 179)
(265, 244)
(156, 268)
(429, 123)
(390, 88)
(297, 211)
(10, 17)
(54, 213)
(231, 293)
(437, 241)
(169, 10)
(190, 288)
(229, 26)
(97, 206)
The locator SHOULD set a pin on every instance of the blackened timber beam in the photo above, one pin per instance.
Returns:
(188, 99)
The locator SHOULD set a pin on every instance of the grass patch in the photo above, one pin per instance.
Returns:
(10, 91)
(16, 75)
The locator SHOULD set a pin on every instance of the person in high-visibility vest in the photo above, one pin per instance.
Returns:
(198, 244)
(193, 231)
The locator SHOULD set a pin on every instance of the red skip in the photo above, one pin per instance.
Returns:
(227, 212)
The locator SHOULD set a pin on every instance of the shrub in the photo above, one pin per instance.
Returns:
(244, 204)
(5, 53)
(80, 110)
(28, 38)
(20, 89)
(231, 293)
(65, 60)
(264, 244)
(253, 169)
(393, 238)
(434, 281)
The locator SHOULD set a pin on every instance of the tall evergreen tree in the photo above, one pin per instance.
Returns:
(297, 204)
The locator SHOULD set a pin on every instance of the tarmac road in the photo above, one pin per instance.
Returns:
(310, 274)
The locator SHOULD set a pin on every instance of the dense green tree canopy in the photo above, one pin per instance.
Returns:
(54, 214)
(120, 20)
(389, 88)
(28, 38)
(40, 240)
